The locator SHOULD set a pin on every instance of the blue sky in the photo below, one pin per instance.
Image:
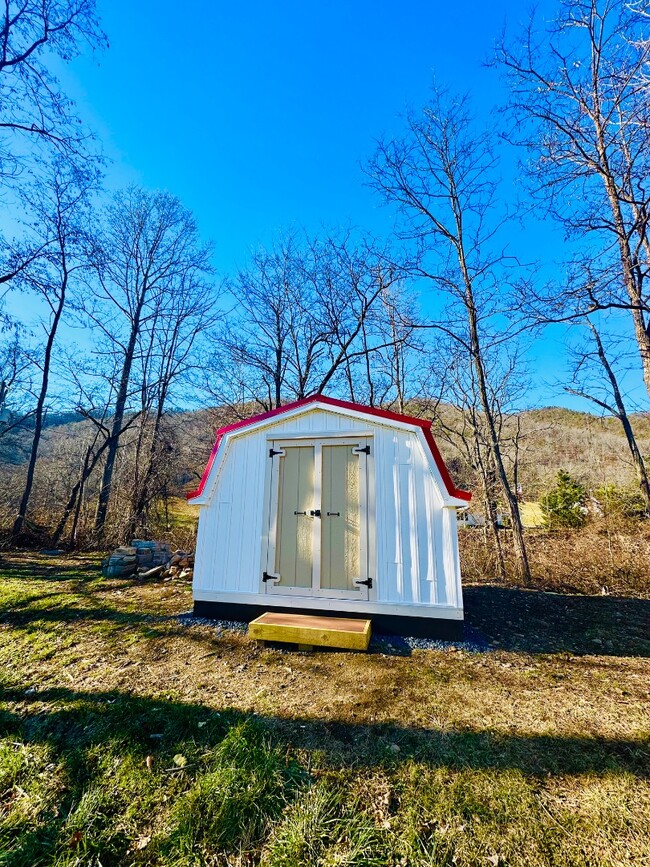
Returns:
(258, 115)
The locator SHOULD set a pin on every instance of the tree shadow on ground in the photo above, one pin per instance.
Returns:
(82, 597)
(533, 621)
(69, 721)
(495, 618)
(32, 620)
(500, 618)
(33, 566)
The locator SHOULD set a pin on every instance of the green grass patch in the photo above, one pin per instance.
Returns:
(90, 780)
(127, 739)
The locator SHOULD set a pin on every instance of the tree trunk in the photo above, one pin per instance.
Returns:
(40, 407)
(138, 478)
(491, 518)
(621, 412)
(632, 288)
(75, 494)
(77, 515)
(491, 513)
(118, 418)
(523, 567)
(629, 280)
(141, 498)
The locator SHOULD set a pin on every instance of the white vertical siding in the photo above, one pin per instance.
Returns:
(450, 556)
(388, 578)
(318, 421)
(415, 540)
(411, 536)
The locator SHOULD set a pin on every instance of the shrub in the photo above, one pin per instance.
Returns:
(564, 504)
(620, 502)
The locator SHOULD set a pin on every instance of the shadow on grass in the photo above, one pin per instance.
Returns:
(509, 619)
(537, 622)
(32, 620)
(40, 567)
(76, 600)
(70, 721)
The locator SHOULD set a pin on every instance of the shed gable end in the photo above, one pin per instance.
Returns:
(322, 416)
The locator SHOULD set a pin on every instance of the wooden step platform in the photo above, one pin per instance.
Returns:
(309, 631)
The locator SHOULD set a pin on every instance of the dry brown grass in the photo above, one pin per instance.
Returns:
(611, 558)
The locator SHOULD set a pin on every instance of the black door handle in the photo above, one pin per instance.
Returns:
(315, 513)
(300, 513)
(333, 514)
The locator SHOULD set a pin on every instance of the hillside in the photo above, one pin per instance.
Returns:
(591, 448)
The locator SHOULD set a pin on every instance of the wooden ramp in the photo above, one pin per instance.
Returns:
(308, 631)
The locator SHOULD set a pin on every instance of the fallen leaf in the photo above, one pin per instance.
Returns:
(75, 839)
(143, 842)
(149, 762)
(179, 760)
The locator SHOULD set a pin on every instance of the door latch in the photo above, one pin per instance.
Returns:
(315, 513)
(367, 582)
(266, 576)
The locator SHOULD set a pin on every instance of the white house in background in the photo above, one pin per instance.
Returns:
(324, 506)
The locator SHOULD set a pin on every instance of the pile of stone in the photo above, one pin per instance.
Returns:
(148, 560)
(149, 555)
(121, 563)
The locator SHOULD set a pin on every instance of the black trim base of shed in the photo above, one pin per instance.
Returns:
(386, 624)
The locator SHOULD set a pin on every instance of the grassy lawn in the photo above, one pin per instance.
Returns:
(129, 738)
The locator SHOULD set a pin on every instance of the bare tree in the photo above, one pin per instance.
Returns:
(441, 177)
(455, 410)
(608, 396)
(14, 364)
(146, 255)
(38, 121)
(352, 285)
(269, 304)
(94, 390)
(304, 315)
(60, 209)
(387, 376)
(579, 101)
(460, 420)
(33, 106)
(169, 359)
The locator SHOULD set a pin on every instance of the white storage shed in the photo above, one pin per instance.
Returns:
(327, 507)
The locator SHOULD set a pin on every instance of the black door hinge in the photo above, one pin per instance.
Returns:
(273, 452)
(362, 450)
(266, 577)
(367, 583)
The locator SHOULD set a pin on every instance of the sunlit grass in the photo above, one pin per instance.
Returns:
(128, 739)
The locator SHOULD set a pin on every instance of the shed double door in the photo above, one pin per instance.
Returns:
(318, 519)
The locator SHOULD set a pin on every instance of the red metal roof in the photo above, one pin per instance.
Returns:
(423, 424)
